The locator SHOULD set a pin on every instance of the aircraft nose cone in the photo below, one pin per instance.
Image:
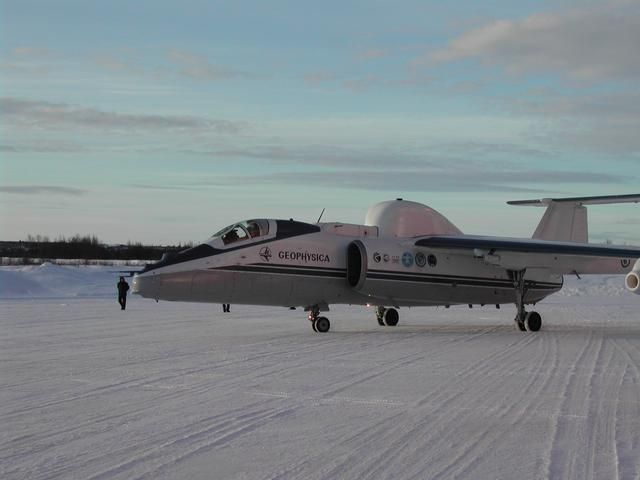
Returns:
(135, 284)
(144, 285)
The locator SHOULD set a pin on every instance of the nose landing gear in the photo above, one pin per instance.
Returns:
(318, 323)
(387, 316)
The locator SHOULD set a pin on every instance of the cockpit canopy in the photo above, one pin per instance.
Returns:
(243, 231)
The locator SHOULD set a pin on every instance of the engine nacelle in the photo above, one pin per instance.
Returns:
(632, 280)
(357, 264)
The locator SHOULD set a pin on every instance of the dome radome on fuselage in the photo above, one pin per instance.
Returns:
(402, 218)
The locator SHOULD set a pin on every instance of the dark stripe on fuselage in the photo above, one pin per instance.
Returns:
(286, 270)
(312, 271)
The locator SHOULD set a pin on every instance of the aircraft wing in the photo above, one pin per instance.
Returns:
(521, 253)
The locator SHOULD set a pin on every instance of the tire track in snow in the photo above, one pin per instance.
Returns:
(398, 439)
(519, 409)
(566, 430)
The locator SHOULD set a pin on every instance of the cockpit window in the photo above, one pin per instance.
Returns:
(257, 228)
(235, 234)
(243, 231)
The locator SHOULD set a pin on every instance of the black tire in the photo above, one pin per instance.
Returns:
(313, 325)
(533, 322)
(520, 325)
(391, 317)
(322, 324)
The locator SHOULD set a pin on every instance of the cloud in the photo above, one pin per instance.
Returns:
(427, 180)
(42, 146)
(483, 149)
(114, 64)
(317, 78)
(33, 52)
(45, 114)
(42, 190)
(197, 67)
(361, 84)
(593, 43)
(606, 123)
(373, 53)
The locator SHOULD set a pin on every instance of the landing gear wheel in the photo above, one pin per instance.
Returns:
(380, 315)
(521, 326)
(313, 325)
(391, 317)
(322, 325)
(533, 321)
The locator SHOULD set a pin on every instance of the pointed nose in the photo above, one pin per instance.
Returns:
(145, 285)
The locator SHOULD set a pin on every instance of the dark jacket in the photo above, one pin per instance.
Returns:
(123, 287)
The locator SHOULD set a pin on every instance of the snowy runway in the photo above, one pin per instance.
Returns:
(184, 391)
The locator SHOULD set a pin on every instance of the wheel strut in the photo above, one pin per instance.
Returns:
(525, 321)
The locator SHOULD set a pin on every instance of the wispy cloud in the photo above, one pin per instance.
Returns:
(428, 180)
(42, 190)
(373, 53)
(318, 78)
(31, 52)
(591, 43)
(42, 146)
(332, 156)
(45, 114)
(198, 67)
(607, 123)
(114, 64)
(361, 84)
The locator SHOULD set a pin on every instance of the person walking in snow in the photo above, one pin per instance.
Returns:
(123, 288)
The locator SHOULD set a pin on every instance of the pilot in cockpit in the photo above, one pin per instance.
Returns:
(253, 229)
(230, 237)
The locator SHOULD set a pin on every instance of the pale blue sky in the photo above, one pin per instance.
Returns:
(162, 121)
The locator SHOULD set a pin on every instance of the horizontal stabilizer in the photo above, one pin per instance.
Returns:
(600, 200)
(566, 218)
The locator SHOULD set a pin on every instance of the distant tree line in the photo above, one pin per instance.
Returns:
(83, 247)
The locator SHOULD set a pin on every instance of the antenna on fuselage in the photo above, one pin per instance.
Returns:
(321, 213)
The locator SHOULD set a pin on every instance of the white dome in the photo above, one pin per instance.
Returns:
(401, 218)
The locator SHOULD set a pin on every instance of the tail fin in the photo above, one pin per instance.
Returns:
(566, 218)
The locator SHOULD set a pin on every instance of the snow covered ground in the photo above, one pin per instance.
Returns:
(165, 390)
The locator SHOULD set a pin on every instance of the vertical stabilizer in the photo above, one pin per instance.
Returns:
(565, 219)
(563, 222)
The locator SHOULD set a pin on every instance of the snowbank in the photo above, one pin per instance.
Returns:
(49, 280)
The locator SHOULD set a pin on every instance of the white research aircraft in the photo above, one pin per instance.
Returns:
(405, 255)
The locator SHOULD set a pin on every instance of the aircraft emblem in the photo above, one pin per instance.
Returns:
(265, 252)
(407, 259)
(625, 262)
(421, 259)
(377, 257)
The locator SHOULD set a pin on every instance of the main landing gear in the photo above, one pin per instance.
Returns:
(387, 316)
(525, 321)
(318, 323)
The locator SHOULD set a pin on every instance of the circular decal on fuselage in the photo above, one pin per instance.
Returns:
(407, 259)
(377, 257)
(265, 252)
(433, 261)
(421, 259)
(625, 262)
